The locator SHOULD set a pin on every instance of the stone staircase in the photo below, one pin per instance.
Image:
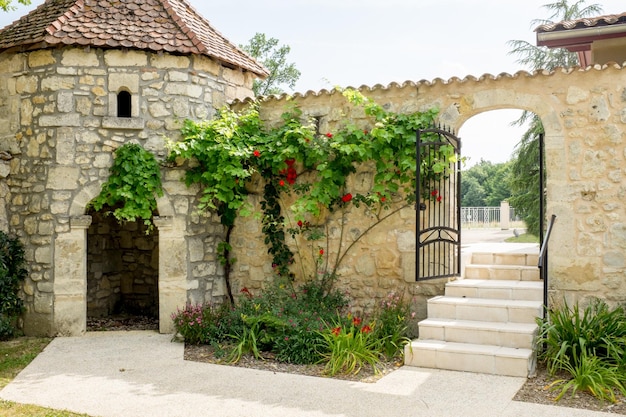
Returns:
(485, 322)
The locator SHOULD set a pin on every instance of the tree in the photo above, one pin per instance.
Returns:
(485, 184)
(274, 58)
(5, 5)
(525, 167)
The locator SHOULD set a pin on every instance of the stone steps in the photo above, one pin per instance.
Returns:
(486, 324)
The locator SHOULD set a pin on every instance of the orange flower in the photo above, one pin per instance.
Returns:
(336, 331)
(366, 329)
(357, 321)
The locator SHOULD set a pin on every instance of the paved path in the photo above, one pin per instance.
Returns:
(143, 374)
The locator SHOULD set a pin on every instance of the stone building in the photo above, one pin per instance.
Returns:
(79, 78)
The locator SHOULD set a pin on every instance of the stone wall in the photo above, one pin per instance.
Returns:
(584, 115)
(59, 122)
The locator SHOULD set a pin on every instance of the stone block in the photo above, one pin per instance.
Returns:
(70, 315)
(63, 120)
(41, 58)
(63, 178)
(117, 58)
(166, 61)
(80, 57)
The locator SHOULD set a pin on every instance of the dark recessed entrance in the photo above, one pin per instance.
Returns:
(122, 274)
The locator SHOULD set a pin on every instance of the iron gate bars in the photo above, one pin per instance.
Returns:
(438, 206)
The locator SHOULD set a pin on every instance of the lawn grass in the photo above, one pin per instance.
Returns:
(14, 356)
(524, 238)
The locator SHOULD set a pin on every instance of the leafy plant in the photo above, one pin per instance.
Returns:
(392, 318)
(201, 324)
(589, 345)
(133, 186)
(349, 345)
(598, 330)
(589, 373)
(295, 159)
(258, 334)
(12, 274)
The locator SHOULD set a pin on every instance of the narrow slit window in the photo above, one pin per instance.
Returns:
(124, 105)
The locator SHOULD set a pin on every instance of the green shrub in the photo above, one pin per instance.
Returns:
(597, 330)
(349, 345)
(589, 345)
(202, 324)
(12, 274)
(591, 374)
(392, 318)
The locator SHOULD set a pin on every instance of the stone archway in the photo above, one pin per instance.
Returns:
(70, 265)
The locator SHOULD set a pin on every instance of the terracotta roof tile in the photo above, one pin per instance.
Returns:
(588, 22)
(157, 25)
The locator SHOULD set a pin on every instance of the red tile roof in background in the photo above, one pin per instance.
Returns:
(588, 22)
(172, 26)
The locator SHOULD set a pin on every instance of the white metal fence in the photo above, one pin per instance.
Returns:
(486, 217)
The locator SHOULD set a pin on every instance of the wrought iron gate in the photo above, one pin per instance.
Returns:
(438, 197)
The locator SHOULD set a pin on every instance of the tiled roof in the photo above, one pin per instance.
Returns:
(588, 22)
(172, 26)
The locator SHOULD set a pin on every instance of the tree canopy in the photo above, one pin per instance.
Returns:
(6, 5)
(273, 57)
(525, 184)
(485, 184)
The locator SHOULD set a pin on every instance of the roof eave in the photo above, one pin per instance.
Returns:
(575, 38)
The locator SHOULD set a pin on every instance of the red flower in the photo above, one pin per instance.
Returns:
(383, 199)
(439, 199)
(290, 162)
(336, 331)
(346, 198)
(300, 223)
(256, 153)
(321, 252)
(329, 135)
(281, 183)
(291, 175)
(366, 329)
(434, 192)
(365, 132)
(246, 291)
(357, 321)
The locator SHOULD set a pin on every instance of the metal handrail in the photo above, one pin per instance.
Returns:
(542, 264)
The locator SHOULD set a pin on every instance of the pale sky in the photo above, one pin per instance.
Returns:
(368, 42)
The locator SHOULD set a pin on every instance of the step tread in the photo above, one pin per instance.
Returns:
(456, 347)
(481, 325)
(496, 283)
(498, 266)
(496, 302)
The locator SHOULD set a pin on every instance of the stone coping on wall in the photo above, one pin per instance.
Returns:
(424, 82)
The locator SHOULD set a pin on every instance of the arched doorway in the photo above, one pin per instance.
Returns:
(492, 183)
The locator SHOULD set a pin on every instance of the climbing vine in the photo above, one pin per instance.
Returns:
(133, 186)
(294, 159)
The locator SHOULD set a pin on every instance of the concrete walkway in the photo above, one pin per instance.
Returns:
(143, 374)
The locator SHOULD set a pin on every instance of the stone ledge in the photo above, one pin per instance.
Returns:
(124, 123)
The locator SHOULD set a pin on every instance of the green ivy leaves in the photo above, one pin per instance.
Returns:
(133, 186)
(293, 158)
